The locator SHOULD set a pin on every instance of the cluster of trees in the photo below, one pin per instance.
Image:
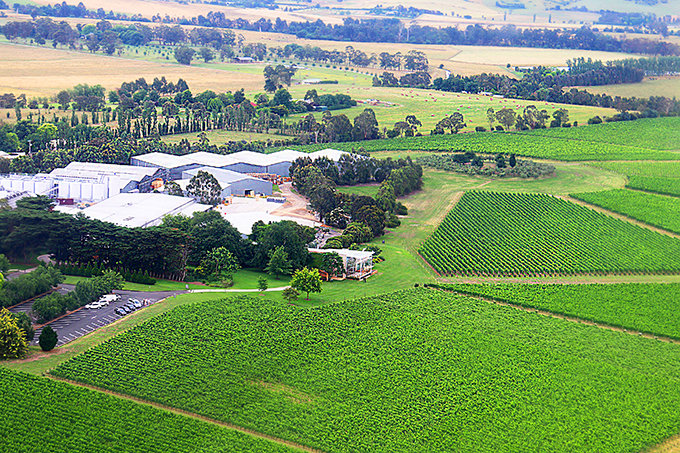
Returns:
(470, 163)
(86, 291)
(29, 285)
(364, 217)
(529, 118)
(543, 84)
(413, 79)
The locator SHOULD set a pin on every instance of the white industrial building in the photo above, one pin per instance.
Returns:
(231, 182)
(277, 163)
(139, 209)
(84, 181)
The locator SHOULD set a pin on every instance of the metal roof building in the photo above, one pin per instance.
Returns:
(277, 163)
(142, 209)
(233, 183)
(131, 177)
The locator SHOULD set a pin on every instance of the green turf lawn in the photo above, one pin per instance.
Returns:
(59, 417)
(417, 370)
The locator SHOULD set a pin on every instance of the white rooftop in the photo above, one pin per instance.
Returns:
(211, 159)
(164, 160)
(332, 154)
(142, 209)
(356, 254)
(222, 175)
(244, 221)
(76, 169)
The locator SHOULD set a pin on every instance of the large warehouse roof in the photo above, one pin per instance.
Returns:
(246, 157)
(222, 175)
(142, 209)
(76, 169)
(164, 160)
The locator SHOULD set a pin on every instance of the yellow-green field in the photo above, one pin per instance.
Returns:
(668, 86)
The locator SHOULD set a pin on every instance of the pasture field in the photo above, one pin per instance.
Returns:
(650, 308)
(58, 417)
(656, 133)
(534, 234)
(668, 86)
(657, 210)
(528, 145)
(221, 136)
(417, 369)
(658, 177)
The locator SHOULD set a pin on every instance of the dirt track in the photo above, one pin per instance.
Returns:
(295, 205)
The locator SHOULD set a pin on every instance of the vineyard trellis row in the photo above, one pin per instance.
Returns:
(515, 234)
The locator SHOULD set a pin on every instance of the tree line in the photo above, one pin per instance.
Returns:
(394, 30)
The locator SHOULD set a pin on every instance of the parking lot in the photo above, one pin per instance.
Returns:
(84, 321)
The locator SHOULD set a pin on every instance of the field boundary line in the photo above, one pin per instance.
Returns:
(187, 414)
(569, 318)
(619, 216)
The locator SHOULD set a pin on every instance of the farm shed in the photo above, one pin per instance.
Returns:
(116, 178)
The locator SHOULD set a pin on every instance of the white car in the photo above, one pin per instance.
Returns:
(93, 305)
(103, 302)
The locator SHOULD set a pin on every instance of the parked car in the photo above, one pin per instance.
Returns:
(136, 303)
(103, 302)
(125, 309)
(93, 305)
(120, 311)
(130, 306)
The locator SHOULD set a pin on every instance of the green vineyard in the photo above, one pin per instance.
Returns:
(518, 234)
(529, 145)
(659, 177)
(650, 308)
(49, 416)
(656, 133)
(416, 370)
(657, 210)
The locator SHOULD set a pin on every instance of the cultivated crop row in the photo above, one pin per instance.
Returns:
(657, 210)
(534, 234)
(659, 177)
(42, 415)
(656, 133)
(415, 370)
(650, 308)
(529, 145)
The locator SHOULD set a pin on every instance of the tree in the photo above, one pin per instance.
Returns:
(172, 188)
(306, 280)
(507, 117)
(500, 160)
(332, 263)
(39, 203)
(206, 54)
(48, 338)
(184, 54)
(205, 188)
(561, 116)
(290, 294)
(25, 324)
(262, 283)
(373, 217)
(278, 264)
(220, 263)
(491, 117)
(513, 160)
(12, 339)
(4, 263)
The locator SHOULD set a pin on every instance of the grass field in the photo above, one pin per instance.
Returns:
(642, 307)
(668, 86)
(414, 369)
(657, 210)
(533, 234)
(74, 419)
(220, 137)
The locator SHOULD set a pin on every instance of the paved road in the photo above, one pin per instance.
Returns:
(84, 321)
